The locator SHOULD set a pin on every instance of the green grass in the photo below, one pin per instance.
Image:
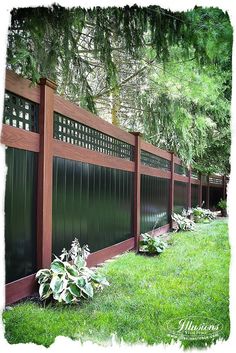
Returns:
(189, 278)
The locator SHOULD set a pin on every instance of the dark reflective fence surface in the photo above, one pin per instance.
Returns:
(180, 196)
(20, 213)
(194, 195)
(215, 195)
(154, 202)
(92, 203)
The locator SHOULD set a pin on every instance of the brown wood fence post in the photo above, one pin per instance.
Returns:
(137, 189)
(189, 189)
(172, 187)
(200, 190)
(45, 165)
(208, 192)
(224, 187)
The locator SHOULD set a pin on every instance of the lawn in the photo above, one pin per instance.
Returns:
(190, 278)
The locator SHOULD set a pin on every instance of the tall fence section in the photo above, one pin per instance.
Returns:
(72, 174)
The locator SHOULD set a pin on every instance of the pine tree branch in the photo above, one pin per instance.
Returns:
(109, 90)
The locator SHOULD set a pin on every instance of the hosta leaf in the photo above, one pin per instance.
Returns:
(44, 272)
(57, 284)
(159, 249)
(75, 290)
(142, 242)
(68, 297)
(56, 296)
(96, 277)
(44, 279)
(80, 282)
(104, 282)
(88, 290)
(44, 291)
(57, 266)
(71, 271)
(100, 279)
(43, 276)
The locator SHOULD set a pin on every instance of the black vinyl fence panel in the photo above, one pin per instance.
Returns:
(154, 202)
(204, 196)
(92, 203)
(215, 195)
(20, 213)
(194, 195)
(180, 196)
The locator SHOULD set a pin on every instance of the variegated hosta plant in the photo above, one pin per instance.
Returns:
(152, 244)
(182, 223)
(69, 280)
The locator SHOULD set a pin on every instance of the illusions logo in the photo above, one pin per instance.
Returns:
(193, 328)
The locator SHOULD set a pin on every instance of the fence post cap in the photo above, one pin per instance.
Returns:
(136, 133)
(47, 82)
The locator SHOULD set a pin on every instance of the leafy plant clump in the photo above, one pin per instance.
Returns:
(151, 244)
(222, 204)
(202, 215)
(187, 212)
(182, 223)
(69, 280)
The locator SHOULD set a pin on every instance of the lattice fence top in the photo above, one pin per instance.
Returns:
(154, 161)
(215, 180)
(194, 174)
(76, 133)
(20, 112)
(181, 170)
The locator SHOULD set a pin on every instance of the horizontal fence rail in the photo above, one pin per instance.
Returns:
(72, 174)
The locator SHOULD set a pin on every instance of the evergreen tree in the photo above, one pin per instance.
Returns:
(145, 68)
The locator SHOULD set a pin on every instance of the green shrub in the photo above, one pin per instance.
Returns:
(69, 280)
(151, 244)
(222, 204)
(182, 223)
(202, 215)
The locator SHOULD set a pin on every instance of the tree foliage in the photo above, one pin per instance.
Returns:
(145, 68)
(185, 109)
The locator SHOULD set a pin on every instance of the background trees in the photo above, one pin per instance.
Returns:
(165, 74)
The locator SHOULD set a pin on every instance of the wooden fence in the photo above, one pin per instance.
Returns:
(71, 173)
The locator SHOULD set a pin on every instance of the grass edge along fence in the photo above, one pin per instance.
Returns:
(70, 173)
